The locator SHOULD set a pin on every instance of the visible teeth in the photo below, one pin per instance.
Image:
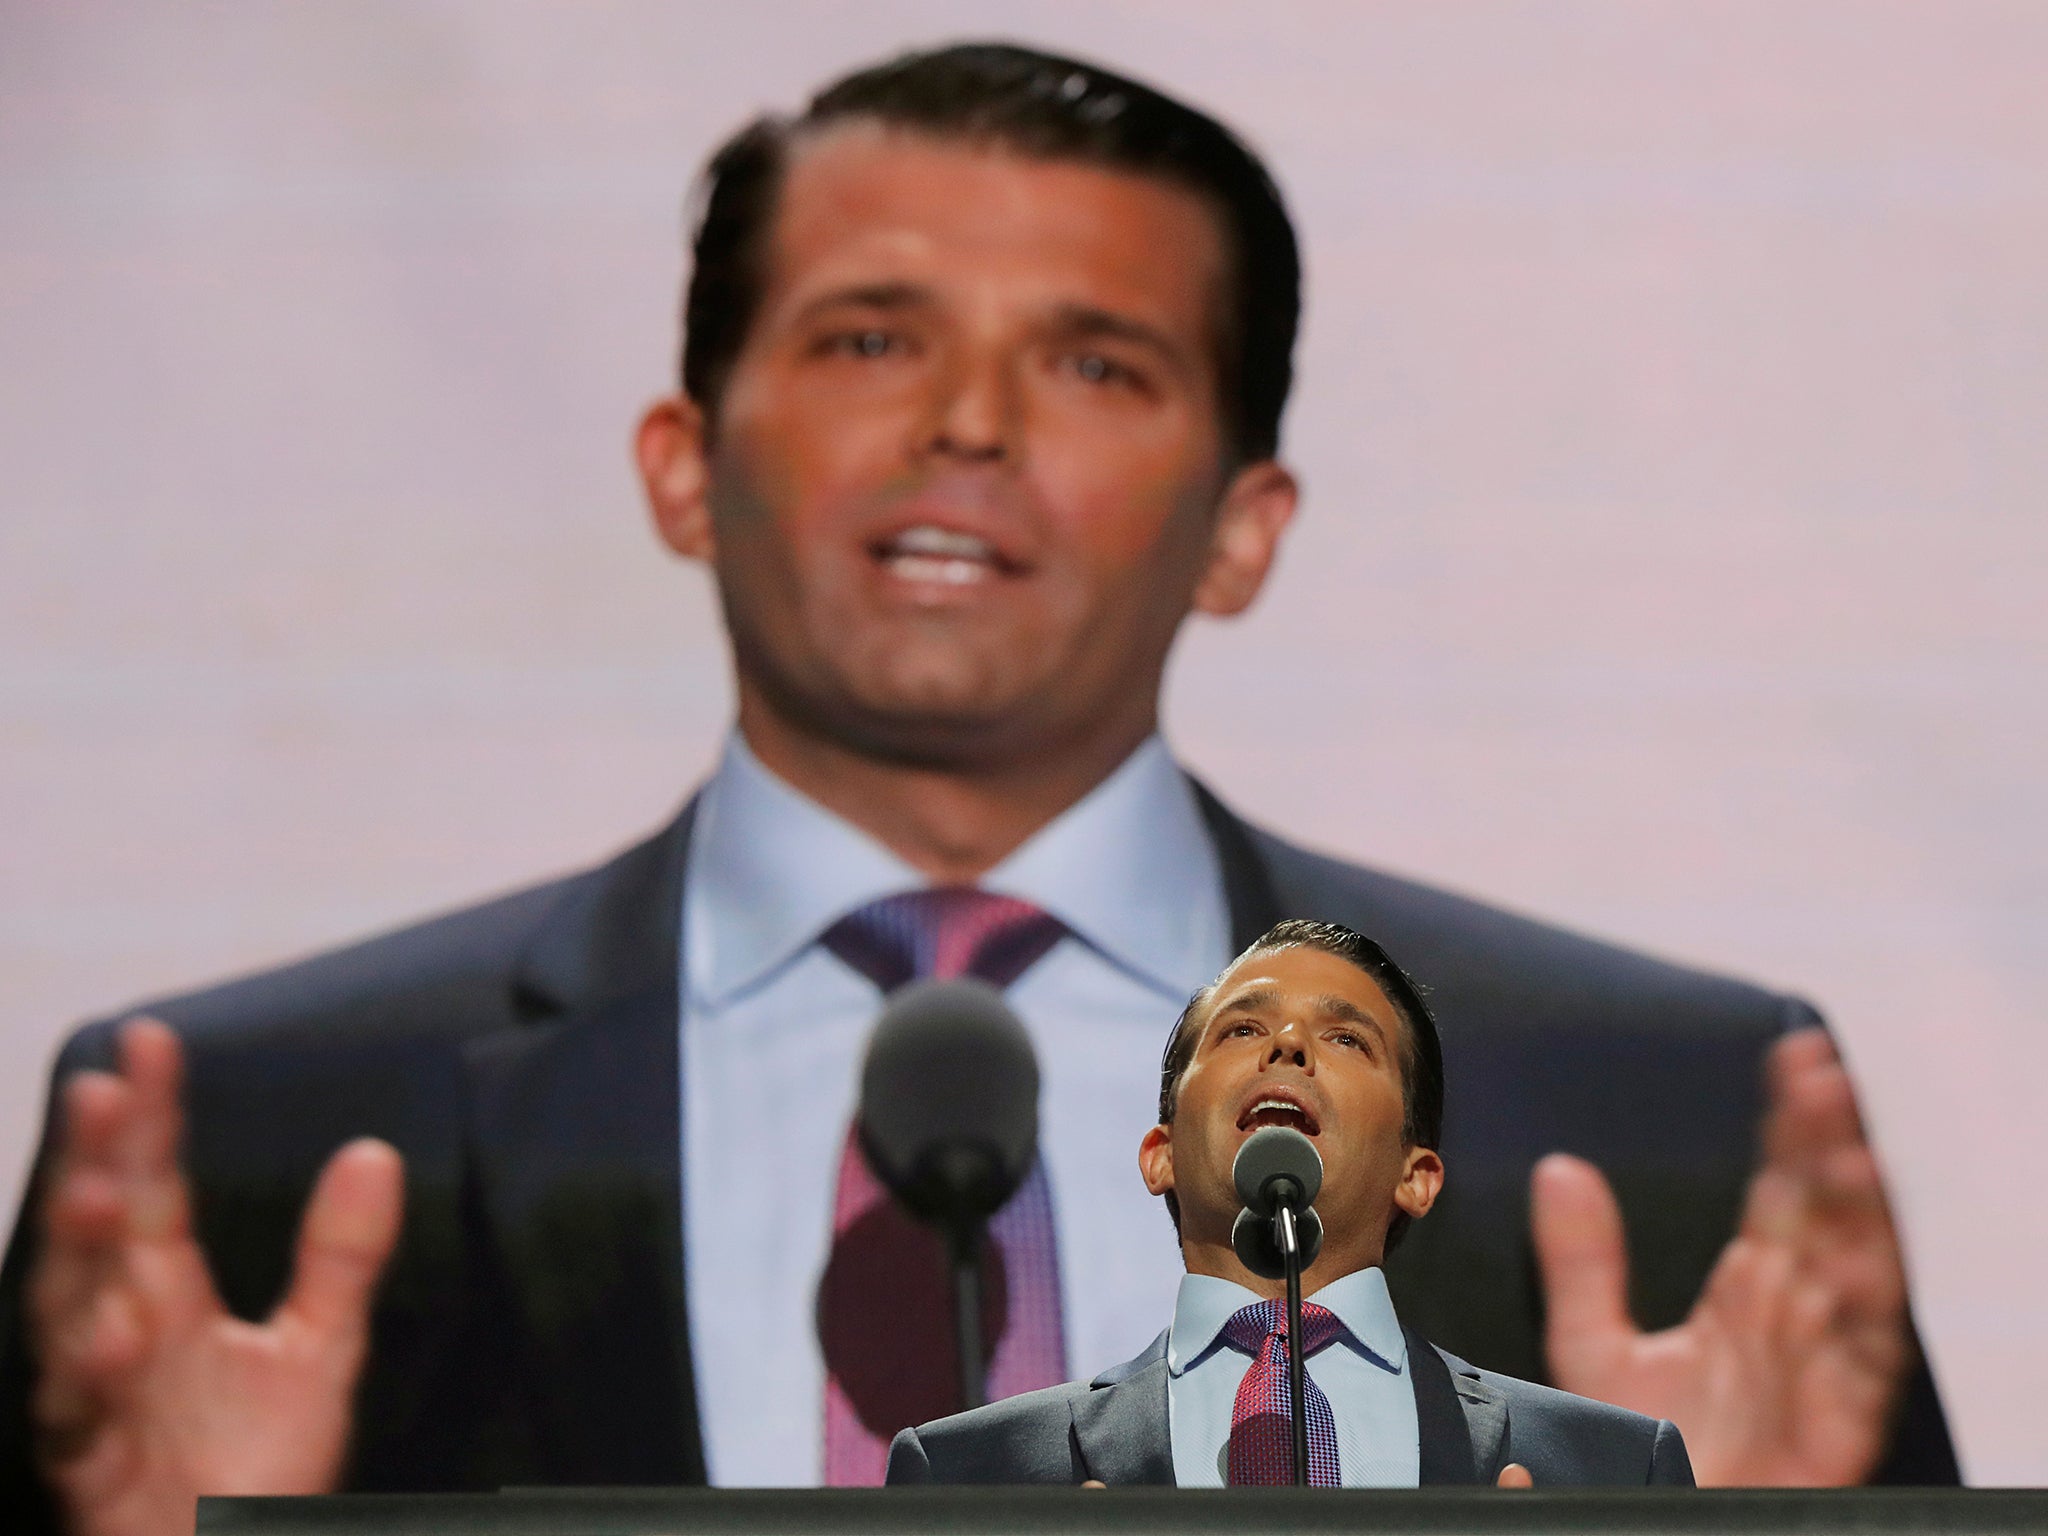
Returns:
(1267, 1104)
(954, 573)
(943, 542)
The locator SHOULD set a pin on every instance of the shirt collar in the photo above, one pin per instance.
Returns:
(1360, 1300)
(770, 869)
(1129, 869)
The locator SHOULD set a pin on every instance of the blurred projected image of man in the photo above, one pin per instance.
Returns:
(985, 358)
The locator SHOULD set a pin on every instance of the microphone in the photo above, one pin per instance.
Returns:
(1278, 1174)
(948, 1120)
(1277, 1166)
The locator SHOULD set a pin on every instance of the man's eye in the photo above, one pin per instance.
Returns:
(862, 344)
(1094, 368)
(1355, 1041)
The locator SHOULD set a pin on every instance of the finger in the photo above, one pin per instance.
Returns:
(1844, 1395)
(84, 1218)
(1724, 1298)
(85, 1373)
(93, 1106)
(1753, 1304)
(350, 1227)
(84, 1210)
(1742, 1303)
(1092, 1483)
(1847, 1252)
(1849, 1186)
(1798, 1049)
(1851, 1220)
(1582, 1259)
(93, 1109)
(1807, 1316)
(1837, 1222)
(1514, 1475)
(153, 1066)
(1775, 1208)
(1811, 1102)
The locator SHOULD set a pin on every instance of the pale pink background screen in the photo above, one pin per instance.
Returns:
(1670, 412)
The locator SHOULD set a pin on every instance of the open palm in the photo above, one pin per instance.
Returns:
(1788, 1367)
(150, 1393)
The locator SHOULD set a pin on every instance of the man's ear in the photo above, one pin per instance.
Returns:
(1422, 1178)
(1257, 506)
(1155, 1159)
(670, 450)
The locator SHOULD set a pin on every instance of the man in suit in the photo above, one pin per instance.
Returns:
(984, 367)
(1315, 1028)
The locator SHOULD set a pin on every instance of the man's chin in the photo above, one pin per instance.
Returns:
(957, 735)
(948, 707)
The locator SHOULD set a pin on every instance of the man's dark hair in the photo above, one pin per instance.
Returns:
(1035, 104)
(1421, 1053)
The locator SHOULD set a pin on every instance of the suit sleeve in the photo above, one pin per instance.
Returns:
(1670, 1467)
(907, 1461)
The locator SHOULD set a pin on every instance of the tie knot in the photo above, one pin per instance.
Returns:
(942, 932)
(1249, 1328)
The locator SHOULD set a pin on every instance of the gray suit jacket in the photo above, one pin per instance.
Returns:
(1472, 1422)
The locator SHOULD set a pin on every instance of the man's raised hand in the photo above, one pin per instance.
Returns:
(149, 1393)
(1790, 1363)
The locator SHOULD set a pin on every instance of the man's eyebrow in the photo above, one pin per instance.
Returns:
(1086, 320)
(894, 296)
(1247, 1002)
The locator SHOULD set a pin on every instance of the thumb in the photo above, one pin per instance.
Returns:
(1514, 1475)
(1582, 1258)
(350, 1227)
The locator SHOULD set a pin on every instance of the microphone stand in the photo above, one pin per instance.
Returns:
(963, 1249)
(1290, 1254)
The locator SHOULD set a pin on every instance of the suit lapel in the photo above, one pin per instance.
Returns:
(576, 1146)
(1247, 882)
(1121, 1430)
(1463, 1425)
(1120, 1423)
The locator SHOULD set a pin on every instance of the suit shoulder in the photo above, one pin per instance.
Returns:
(1440, 934)
(409, 977)
(1572, 1438)
(995, 1420)
(1021, 1439)
(1551, 1404)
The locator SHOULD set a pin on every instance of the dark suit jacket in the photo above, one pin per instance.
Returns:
(522, 1055)
(1471, 1423)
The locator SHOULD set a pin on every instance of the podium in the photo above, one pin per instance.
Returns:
(1139, 1512)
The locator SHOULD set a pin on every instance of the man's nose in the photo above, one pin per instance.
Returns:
(974, 411)
(1292, 1043)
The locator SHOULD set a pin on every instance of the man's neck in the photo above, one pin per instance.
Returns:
(951, 824)
(1331, 1265)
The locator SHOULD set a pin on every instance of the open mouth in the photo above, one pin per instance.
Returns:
(944, 557)
(1279, 1109)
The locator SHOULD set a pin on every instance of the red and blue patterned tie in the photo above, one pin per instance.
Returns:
(1261, 1429)
(885, 1303)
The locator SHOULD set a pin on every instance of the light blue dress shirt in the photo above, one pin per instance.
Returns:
(773, 1029)
(1364, 1375)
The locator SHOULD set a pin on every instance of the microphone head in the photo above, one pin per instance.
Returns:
(949, 1100)
(1258, 1246)
(1277, 1164)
